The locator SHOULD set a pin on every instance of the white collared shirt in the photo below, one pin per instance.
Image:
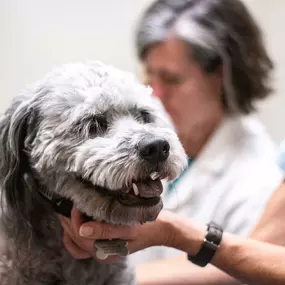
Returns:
(230, 181)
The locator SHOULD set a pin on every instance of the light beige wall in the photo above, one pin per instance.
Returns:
(37, 35)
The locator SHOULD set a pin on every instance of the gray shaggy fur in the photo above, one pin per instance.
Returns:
(82, 120)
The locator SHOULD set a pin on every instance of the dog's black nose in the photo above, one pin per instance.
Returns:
(154, 150)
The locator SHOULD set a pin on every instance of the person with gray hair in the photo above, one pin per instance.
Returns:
(207, 63)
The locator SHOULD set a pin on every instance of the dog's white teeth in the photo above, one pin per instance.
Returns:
(154, 175)
(136, 189)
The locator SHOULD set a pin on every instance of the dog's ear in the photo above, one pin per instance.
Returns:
(18, 128)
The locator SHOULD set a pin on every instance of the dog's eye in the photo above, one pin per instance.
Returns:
(97, 125)
(145, 116)
(91, 126)
(142, 115)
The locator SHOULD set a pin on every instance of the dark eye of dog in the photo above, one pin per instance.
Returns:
(97, 125)
(143, 116)
(91, 126)
(146, 116)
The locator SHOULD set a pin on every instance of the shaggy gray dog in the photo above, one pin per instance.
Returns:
(87, 135)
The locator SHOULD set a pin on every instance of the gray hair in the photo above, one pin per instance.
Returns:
(221, 33)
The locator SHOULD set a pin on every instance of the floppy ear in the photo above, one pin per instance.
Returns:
(17, 130)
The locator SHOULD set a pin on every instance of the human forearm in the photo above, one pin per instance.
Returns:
(245, 259)
(251, 261)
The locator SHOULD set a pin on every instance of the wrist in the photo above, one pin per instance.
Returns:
(190, 237)
(180, 233)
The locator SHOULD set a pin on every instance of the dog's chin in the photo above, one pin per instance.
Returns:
(138, 203)
(125, 215)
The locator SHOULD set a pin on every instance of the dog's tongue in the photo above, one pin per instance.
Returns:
(149, 188)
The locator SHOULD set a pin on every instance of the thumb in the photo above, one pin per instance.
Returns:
(96, 230)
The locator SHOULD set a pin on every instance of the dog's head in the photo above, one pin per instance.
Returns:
(94, 135)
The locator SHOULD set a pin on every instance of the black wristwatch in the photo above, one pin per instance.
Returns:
(210, 245)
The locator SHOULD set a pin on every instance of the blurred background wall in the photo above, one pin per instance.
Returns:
(38, 35)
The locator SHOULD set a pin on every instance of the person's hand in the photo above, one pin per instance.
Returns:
(79, 237)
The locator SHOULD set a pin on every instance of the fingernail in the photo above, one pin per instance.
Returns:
(85, 231)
